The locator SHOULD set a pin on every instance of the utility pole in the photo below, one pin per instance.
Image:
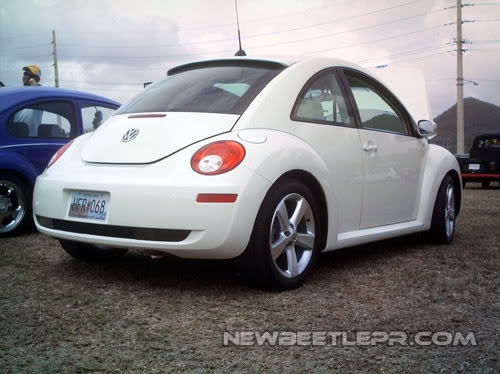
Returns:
(460, 81)
(56, 71)
(54, 53)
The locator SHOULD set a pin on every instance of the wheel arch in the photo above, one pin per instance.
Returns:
(14, 163)
(312, 183)
(16, 173)
(439, 163)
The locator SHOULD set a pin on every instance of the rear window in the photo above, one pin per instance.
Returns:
(488, 142)
(220, 89)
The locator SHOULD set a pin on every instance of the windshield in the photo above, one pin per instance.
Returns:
(220, 89)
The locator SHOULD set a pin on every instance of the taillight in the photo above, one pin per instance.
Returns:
(218, 157)
(58, 154)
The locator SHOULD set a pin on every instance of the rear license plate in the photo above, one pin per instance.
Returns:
(473, 166)
(89, 205)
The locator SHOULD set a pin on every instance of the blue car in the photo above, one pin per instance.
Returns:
(34, 123)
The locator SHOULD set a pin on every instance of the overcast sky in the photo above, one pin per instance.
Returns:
(111, 47)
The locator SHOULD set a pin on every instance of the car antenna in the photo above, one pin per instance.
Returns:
(239, 52)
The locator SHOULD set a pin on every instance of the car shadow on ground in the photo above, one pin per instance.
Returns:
(143, 267)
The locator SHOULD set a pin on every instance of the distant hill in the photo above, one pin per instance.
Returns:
(479, 117)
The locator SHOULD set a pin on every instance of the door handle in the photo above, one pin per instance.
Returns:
(370, 147)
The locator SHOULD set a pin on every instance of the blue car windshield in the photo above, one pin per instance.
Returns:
(218, 89)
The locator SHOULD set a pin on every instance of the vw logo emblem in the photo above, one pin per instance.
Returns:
(130, 135)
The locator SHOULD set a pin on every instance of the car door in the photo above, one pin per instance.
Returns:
(40, 128)
(393, 156)
(323, 119)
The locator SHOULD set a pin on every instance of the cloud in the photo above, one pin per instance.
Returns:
(129, 42)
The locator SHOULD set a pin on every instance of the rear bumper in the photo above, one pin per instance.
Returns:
(153, 206)
(480, 176)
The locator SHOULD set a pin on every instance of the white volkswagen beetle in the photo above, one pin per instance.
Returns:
(268, 160)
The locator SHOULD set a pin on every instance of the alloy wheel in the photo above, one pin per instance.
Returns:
(12, 206)
(292, 235)
(449, 210)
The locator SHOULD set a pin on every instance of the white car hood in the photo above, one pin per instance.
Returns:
(156, 137)
(408, 84)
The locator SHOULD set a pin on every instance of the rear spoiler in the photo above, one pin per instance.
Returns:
(243, 62)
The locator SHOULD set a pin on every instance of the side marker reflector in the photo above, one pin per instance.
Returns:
(216, 197)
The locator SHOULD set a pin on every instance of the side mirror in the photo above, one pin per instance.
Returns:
(427, 129)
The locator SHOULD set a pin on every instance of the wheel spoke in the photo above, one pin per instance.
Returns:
(305, 240)
(282, 215)
(449, 197)
(298, 214)
(291, 259)
(449, 227)
(279, 246)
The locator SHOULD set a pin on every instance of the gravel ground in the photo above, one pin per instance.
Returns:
(145, 315)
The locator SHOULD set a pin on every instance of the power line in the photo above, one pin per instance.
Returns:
(102, 89)
(283, 43)
(25, 57)
(418, 58)
(274, 32)
(105, 83)
(487, 80)
(127, 69)
(403, 53)
(301, 12)
(21, 35)
(348, 18)
(269, 45)
(28, 47)
(20, 70)
(440, 79)
(156, 57)
(482, 42)
(259, 19)
(377, 40)
(484, 49)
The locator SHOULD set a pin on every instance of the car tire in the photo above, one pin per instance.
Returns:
(485, 184)
(286, 238)
(15, 205)
(443, 217)
(91, 252)
(464, 183)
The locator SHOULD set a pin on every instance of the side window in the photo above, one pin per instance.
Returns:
(321, 101)
(375, 110)
(45, 120)
(94, 115)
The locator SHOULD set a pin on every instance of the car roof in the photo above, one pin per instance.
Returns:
(11, 96)
(488, 134)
